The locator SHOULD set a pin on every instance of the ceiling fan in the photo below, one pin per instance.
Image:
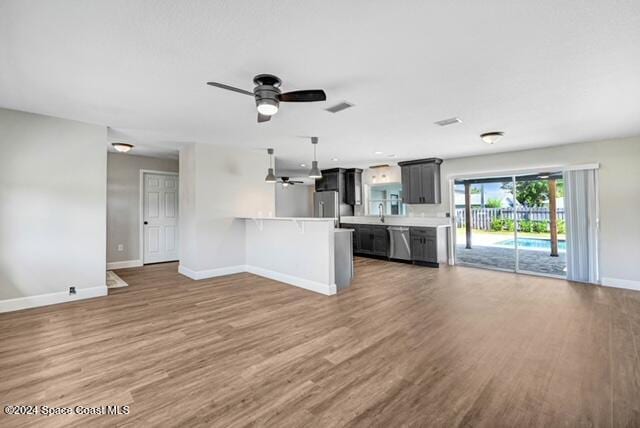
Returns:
(268, 95)
(286, 182)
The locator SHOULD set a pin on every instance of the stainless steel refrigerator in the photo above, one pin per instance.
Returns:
(325, 204)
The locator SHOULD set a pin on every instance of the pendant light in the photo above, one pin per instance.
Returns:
(315, 171)
(270, 178)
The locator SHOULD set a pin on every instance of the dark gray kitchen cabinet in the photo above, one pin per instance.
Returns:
(365, 239)
(424, 244)
(370, 239)
(353, 184)
(333, 180)
(380, 241)
(421, 181)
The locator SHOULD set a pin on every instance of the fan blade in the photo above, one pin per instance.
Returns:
(306, 96)
(229, 88)
(296, 182)
(263, 118)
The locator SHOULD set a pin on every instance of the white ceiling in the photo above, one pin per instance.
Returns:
(545, 72)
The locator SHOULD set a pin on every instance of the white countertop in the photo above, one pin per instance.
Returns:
(289, 218)
(399, 221)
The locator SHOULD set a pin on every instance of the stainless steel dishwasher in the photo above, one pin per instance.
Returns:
(399, 243)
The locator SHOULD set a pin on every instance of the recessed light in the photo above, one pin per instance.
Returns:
(377, 153)
(391, 156)
(303, 165)
(335, 159)
(491, 137)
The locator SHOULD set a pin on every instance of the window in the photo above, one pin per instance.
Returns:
(387, 198)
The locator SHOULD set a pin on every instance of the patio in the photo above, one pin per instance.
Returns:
(489, 249)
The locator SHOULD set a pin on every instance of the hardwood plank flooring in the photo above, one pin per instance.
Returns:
(405, 346)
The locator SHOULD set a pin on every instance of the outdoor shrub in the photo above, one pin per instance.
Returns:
(510, 225)
(497, 224)
(539, 226)
(526, 226)
(561, 227)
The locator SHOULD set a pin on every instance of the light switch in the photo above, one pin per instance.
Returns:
(120, 247)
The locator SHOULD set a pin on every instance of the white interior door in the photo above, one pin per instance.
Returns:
(160, 218)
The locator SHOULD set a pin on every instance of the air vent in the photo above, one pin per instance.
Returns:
(450, 121)
(385, 165)
(339, 107)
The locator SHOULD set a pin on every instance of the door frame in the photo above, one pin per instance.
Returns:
(513, 173)
(141, 209)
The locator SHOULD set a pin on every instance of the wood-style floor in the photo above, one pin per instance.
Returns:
(405, 346)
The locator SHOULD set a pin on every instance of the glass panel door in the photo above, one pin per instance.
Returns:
(485, 222)
(540, 228)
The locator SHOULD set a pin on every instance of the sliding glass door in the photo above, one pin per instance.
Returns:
(485, 223)
(540, 231)
(513, 223)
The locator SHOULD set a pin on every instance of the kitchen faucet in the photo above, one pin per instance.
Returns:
(381, 209)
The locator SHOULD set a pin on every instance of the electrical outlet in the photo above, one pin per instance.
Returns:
(120, 247)
(72, 290)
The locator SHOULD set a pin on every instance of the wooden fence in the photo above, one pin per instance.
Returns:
(481, 218)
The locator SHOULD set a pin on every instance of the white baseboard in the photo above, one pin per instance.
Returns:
(621, 283)
(210, 273)
(317, 287)
(19, 303)
(124, 264)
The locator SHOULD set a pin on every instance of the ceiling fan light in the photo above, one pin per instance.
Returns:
(491, 137)
(122, 147)
(315, 171)
(267, 107)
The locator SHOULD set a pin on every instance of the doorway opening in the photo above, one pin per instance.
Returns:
(513, 223)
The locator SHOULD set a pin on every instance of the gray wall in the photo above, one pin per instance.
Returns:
(619, 181)
(217, 185)
(294, 201)
(123, 203)
(53, 175)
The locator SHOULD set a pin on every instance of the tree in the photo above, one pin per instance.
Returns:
(493, 203)
(533, 193)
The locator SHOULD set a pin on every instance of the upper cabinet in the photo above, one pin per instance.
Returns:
(353, 180)
(332, 181)
(347, 182)
(421, 181)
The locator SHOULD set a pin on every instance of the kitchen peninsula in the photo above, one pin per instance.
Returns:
(310, 253)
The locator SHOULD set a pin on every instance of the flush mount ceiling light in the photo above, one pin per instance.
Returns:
(377, 153)
(271, 177)
(303, 165)
(122, 147)
(491, 137)
(315, 171)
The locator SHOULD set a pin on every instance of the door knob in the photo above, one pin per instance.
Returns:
(146, 222)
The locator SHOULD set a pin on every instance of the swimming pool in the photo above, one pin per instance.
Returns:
(532, 244)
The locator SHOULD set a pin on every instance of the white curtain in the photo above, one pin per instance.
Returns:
(581, 209)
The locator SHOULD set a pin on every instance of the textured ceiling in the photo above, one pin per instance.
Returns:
(544, 72)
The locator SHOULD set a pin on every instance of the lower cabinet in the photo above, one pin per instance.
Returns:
(371, 239)
(424, 244)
